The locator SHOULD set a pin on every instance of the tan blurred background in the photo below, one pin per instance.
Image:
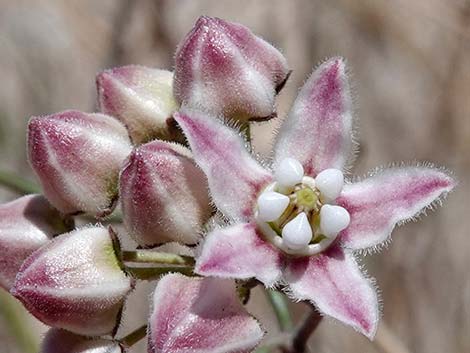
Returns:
(410, 65)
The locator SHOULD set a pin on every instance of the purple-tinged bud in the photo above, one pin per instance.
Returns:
(26, 224)
(75, 282)
(164, 195)
(142, 99)
(77, 157)
(61, 341)
(223, 68)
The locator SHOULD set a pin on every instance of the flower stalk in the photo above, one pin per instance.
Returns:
(18, 184)
(134, 337)
(153, 257)
(153, 273)
(281, 309)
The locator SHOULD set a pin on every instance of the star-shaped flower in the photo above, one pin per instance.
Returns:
(300, 225)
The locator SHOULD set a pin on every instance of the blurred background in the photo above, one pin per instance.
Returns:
(410, 66)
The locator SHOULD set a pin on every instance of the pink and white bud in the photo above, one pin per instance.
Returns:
(142, 99)
(61, 341)
(223, 68)
(164, 195)
(201, 315)
(26, 224)
(75, 282)
(77, 157)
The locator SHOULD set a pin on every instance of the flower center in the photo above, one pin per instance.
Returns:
(297, 213)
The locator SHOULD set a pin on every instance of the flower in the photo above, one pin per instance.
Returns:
(300, 226)
(200, 315)
(75, 282)
(61, 341)
(26, 224)
(77, 157)
(141, 98)
(223, 68)
(164, 195)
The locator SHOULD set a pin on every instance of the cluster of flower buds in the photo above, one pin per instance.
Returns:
(184, 179)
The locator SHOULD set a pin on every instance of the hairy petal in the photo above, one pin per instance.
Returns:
(26, 224)
(75, 282)
(394, 195)
(223, 68)
(141, 98)
(164, 195)
(333, 282)
(239, 252)
(235, 178)
(77, 157)
(200, 315)
(318, 130)
(61, 341)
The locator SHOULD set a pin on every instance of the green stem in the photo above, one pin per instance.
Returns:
(17, 183)
(16, 322)
(154, 257)
(246, 130)
(152, 273)
(134, 337)
(281, 309)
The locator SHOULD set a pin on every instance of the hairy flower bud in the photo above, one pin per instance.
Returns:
(142, 99)
(61, 341)
(164, 195)
(75, 282)
(77, 157)
(223, 68)
(26, 224)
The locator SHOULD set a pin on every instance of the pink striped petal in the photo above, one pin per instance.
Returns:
(141, 98)
(239, 252)
(77, 157)
(333, 282)
(318, 130)
(392, 196)
(75, 282)
(200, 315)
(26, 224)
(235, 178)
(164, 195)
(223, 68)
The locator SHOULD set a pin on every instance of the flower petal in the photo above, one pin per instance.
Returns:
(26, 224)
(200, 315)
(318, 130)
(164, 195)
(333, 282)
(235, 178)
(392, 196)
(75, 282)
(77, 157)
(223, 68)
(141, 98)
(239, 252)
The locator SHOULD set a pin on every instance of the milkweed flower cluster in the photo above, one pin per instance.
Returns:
(162, 148)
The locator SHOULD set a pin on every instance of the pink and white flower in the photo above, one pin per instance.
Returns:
(75, 282)
(223, 68)
(200, 315)
(26, 224)
(164, 195)
(299, 226)
(141, 98)
(77, 157)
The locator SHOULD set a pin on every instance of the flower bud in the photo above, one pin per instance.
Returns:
(77, 157)
(61, 341)
(164, 195)
(223, 68)
(75, 282)
(26, 224)
(142, 99)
